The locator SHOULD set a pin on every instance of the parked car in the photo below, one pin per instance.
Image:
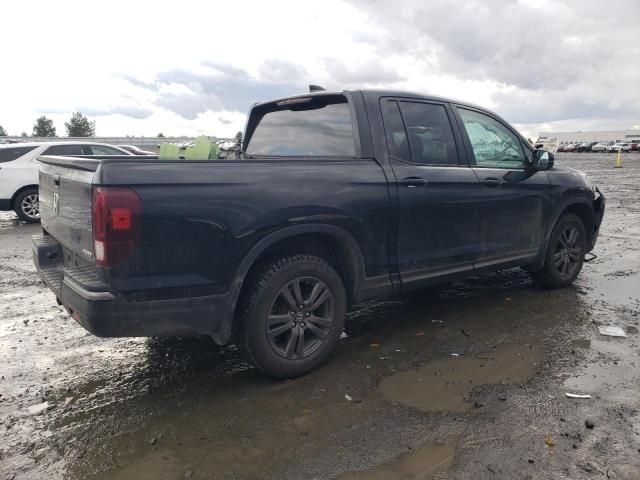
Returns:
(571, 147)
(135, 150)
(19, 171)
(338, 197)
(635, 146)
(620, 147)
(585, 146)
(601, 146)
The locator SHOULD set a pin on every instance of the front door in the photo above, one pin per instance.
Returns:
(513, 201)
(435, 208)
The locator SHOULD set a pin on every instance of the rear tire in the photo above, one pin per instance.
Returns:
(565, 253)
(290, 315)
(27, 205)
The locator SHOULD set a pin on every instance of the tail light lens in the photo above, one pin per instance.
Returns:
(117, 215)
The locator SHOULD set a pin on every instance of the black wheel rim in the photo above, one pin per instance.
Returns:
(568, 252)
(300, 318)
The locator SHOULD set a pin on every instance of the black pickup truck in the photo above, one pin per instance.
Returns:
(335, 198)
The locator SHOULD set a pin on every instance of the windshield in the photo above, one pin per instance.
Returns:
(316, 126)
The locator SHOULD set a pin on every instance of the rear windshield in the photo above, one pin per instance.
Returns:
(316, 126)
(11, 153)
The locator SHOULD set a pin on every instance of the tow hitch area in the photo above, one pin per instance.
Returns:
(589, 256)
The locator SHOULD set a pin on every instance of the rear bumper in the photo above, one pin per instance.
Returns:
(109, 314)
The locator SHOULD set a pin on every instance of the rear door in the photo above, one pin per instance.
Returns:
(436, 215)
(105, 150)
(16, 171)
(68, 149)
(513, 201)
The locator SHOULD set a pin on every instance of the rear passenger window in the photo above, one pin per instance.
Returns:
(66, 150)
(102, 150)
(396, 135)
(13, 153)
(429, 133)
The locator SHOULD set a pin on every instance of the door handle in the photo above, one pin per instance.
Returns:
(492, 182)
(413, 182)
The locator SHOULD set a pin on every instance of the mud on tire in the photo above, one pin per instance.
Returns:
(565, 253)
(290, 315)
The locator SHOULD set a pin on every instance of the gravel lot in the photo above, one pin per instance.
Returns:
(393, 402)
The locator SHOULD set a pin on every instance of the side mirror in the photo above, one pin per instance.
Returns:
(541, 160)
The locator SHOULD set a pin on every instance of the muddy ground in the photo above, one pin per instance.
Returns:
(393, 402)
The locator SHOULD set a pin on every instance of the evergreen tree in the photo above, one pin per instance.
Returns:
(44, 127)
(3, 132)
(80, 126)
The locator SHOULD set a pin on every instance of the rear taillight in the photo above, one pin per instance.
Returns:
(117, 215)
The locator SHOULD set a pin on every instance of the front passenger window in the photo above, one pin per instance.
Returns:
(493, 144)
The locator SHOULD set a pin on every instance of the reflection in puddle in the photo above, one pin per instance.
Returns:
(623, 290)
(619, 371)
(581, 342)
(595, 376)
(160, 465)
(442, 385)
(422, 464)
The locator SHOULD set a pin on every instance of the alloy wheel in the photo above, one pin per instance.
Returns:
(300, 318)
(30, 206)
(568, 250)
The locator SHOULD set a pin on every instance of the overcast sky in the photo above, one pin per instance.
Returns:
(189, 68)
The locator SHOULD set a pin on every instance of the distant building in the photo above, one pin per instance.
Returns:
(553, 139)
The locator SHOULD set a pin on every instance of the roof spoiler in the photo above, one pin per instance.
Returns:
(316, 88)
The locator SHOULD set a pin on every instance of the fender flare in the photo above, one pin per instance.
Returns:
(224, 330)
(558, 212)
(563, 207)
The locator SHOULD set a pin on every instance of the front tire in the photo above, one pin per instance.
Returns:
(565, 253)
(27, 206)
(291, 315)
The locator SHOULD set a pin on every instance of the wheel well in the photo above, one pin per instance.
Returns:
(585, 214)
(336, 252)
(22, 189)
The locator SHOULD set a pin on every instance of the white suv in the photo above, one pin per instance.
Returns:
(601, 146)
(19, 172)
(620, 147)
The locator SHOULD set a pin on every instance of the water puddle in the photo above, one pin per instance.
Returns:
(620, 370)
(622, 290)
(594, 377)
(424, 463)
(443, 385)
(581, 343)
(160, 465)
